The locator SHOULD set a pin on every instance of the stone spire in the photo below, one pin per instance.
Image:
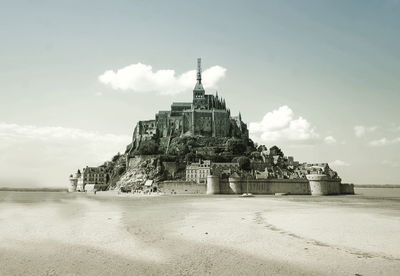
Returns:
(199, 87)
(199, 70)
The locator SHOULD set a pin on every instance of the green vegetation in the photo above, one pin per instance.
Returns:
(236, 146)
(244, 163)
(148, 147)
(115, 168)
(166, 159)
(274, 150)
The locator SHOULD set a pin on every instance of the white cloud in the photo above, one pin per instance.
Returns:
(47, 155)
(140, 77)
(384, 142)
(330, 140)
(394, 128)
(391, 163)
(46, 133)
(360, 131)
(339, 163)
(280, 125)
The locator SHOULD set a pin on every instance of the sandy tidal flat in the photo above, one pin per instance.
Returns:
(73, 234)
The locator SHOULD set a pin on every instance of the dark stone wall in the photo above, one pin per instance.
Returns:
(181, 187)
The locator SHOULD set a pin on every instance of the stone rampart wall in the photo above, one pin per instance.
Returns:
(265, 186)
(254, 186)
(181, 187)
(224, 187)
(347, 189)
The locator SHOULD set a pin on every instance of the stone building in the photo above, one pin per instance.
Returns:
(80, 186)
(198, 172)
(206, 115)
(94, 178)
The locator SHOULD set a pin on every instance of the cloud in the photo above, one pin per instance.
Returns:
(330, 140)
(360, 131)
(47, 133)
(141, 78)
(281, 125)
(394, 128)
(391, 163)
(384, 142)
(47, 154)
(339, 163)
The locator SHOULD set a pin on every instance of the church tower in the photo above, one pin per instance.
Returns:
(199, 100)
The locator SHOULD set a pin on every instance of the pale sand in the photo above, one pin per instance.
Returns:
(184, 235)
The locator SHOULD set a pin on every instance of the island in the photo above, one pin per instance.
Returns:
(198, 147)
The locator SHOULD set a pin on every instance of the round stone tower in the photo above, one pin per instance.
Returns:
(73, 181)
(213, 185)
(321, 184)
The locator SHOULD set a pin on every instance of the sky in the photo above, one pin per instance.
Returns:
(319, 79)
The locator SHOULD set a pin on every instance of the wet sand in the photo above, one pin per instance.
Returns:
(74, 234)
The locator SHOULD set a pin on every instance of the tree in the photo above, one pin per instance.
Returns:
(261, 148)
(255, 155)
(190, 157)
(178, 149)
(116, 157)
(121, 169)
(148, 147)
(235, 146)
(276, 151)
(244, 163)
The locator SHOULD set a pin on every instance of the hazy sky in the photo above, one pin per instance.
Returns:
(320, 79)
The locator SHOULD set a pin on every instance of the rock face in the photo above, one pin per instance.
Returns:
(140, 169)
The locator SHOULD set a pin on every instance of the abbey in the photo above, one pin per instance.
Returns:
(206, 115)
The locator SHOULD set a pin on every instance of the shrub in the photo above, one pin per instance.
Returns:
(244, 163)
(275, 151)
(190, 157)
(236, 146)
(148, 147)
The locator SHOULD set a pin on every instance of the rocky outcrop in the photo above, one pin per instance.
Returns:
(140, 169)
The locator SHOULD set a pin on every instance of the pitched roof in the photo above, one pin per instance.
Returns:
(198, 87)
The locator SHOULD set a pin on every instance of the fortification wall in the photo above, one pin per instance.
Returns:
(347, 189)
(255, 186)
(224, 187)
(213, 185)
(265, 186)
(321, 184)
(290, 186)
(181, 187)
